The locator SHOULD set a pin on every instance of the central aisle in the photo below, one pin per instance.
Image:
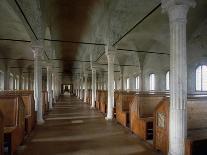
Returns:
(71, 128)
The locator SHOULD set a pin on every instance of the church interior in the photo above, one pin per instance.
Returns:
(103, 77)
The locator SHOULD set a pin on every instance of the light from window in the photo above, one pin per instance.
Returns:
(11, 81)
(114, 85)
(152, 81)
(201, 78)
(1, 80)
(137, 82)
(168, 80)
(127, 83)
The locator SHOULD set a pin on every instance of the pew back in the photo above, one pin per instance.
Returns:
(1, 134)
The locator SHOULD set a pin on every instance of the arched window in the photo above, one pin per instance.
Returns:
(1, 80)
(201, 78)
(152, 81)
(167, 78)
(137, 82)
(128, 83)
(11, 81)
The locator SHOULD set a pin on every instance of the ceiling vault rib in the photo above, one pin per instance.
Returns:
(25, 18)
(16, 59)
(15, 40)
(74, 42)
(139, 22)
(119, 49)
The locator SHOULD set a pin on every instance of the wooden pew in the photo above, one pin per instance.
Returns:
(1, 134)
(124, 99)
(196, 141)
(89, 95)
(103, 101)
(141, 113)
(13, 111)
(98, 95)
(29, 103)
(45, 104)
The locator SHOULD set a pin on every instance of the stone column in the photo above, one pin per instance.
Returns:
(93, 87)
(110, 57)
(49, 84)
(177, 12)
(38, 83)
(86, 87)
(81, 87)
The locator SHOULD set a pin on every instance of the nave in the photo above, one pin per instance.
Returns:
(71, 128)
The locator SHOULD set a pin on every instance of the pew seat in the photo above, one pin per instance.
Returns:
(13, 111)
(122, 107)
(141, 113)
(1, 134)
(196, 141)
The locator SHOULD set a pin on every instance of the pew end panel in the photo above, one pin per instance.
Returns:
(1, 134)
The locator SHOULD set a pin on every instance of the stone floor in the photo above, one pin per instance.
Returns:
(71, 128)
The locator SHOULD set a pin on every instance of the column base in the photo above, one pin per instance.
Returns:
(92, 108)
(109, 118)
(40, 122)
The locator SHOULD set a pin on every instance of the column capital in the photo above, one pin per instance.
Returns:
(110, 50)
(177, 9)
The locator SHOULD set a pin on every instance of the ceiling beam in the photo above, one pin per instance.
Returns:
(15, 40)
(148, 52)
(139, 22)
(25, 18)
(74, 42)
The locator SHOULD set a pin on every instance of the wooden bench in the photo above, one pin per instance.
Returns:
(1, 134)
(98, 95)
(45, 104)
(124, 99)
(141, 113)
(29, 103)
(103, 101)
(13, 111)
(89, 95)
(196, 141)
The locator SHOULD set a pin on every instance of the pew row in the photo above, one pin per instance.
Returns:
(103, 101)
(123, 103)
(13, 111)
(1, 134)
(196, 140)
(141, 113)
(29, 104)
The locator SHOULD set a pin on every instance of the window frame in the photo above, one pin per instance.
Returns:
(152, 82)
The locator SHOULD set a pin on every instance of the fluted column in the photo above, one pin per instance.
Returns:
(49, 84)
(110, 57)
(177, 11)
(38, 83)
(86, 87)
(81, 87)
(93, 87)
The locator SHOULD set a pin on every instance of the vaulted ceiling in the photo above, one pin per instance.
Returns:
(76, 31)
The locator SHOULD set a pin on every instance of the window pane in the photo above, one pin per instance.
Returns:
(198, 78)
(137, 82)
(204, 78)
(114, 85)
(168, 81)
(127, 83)
(152, 81)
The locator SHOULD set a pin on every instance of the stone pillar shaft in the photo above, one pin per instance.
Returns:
(38, 83)
(110, 58)
(93, 87)
(177, 12)
(49, 85)
(86, 88)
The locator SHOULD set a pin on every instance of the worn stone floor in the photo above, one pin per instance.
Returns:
(72, 128)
